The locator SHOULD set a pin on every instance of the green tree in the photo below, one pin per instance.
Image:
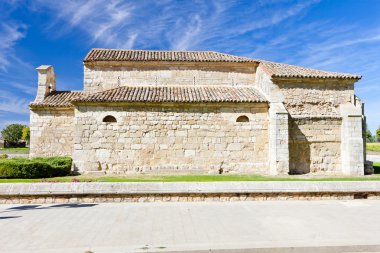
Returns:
(12, 133)
(368, 135)
(378, 134)
(26, 134)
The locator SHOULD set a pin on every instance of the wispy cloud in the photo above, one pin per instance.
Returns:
(192, 30)
(101, 20)
(28, 89)
(13, 104)
(10, 33)
(167, 24)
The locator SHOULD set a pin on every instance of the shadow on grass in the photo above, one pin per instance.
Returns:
(376, 168)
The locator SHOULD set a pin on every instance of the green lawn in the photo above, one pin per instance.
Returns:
(193, 178)
(14, 150)
(375, 146)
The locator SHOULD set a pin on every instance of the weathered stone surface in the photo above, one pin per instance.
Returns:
(52, 132)
(99, 78)
(170, 138)
(314, 145)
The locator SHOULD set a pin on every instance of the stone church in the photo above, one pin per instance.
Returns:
(144, 111)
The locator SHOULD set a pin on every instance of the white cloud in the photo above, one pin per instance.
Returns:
(28, 89)
(102, 20)
(10, 33)
(11, 103)
(166, 24)
(188, 36)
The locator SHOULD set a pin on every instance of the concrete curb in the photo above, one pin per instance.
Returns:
(316, 249)
(99, 188)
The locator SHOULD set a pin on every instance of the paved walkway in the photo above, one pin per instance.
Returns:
(149, 227)
(373, 158)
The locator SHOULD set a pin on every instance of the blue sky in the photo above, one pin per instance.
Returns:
(336, 35)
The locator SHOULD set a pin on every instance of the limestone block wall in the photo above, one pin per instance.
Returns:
(315, 145)
(264, 83)
(149, 138)
(316, 98)
(51, 132)
(102, 77)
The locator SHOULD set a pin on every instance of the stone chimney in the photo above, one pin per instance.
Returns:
(46, 82)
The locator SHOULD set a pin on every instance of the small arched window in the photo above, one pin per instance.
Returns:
(109, 119)
(242, 119)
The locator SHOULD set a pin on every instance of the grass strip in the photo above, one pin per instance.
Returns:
(193, 178)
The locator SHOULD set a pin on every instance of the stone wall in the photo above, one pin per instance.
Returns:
(316, 98)
(102, 77)
(352, 140)
(314, 145)
(149, 138)
(51, 132)
(263, 82)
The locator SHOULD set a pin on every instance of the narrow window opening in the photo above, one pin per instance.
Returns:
(109, 119)
(242, 119)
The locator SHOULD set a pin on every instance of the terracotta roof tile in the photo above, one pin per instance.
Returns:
(58, 99)
(290, 71)
(99, 54)
(181, 94)
(276, 69)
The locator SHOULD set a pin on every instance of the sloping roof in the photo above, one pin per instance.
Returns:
(180, 94)
(290, 71)
(58, 99)
(275, 69)
(100, 54)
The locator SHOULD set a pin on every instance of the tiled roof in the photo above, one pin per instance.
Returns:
(181, 94)
(58, 99)
(276, 69)
(290, 71)
(99, 54)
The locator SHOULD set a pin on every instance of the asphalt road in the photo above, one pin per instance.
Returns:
(155, 227)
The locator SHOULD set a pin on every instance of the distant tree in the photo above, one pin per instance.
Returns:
(26, 134)
(368, 135)
(378, 134)
(12, 133)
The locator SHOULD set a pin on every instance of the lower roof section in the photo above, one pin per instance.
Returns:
(59, 99)
(182, 94)
(156, 94)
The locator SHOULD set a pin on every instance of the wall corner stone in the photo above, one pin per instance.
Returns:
(352, 140)
(278, 139)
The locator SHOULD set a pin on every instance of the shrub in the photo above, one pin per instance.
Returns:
(3, 156)
(35, 168)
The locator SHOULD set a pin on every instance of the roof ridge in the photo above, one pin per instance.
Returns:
(158, 50)
(110, 54)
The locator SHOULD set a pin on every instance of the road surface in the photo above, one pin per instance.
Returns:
(160, 227)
